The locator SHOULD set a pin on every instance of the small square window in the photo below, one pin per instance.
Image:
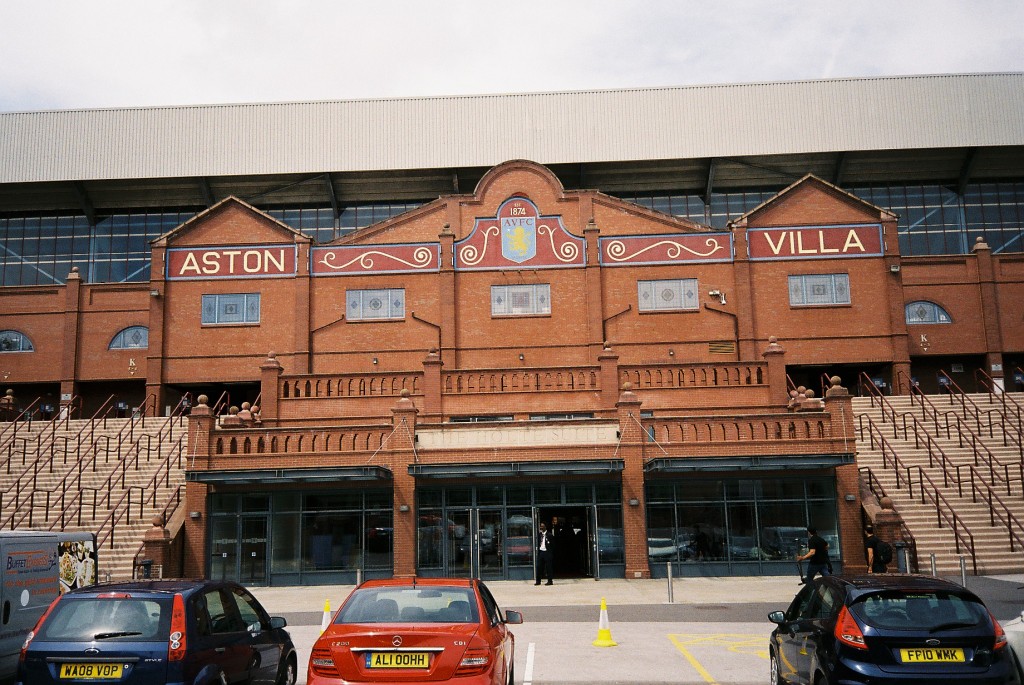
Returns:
(668, 295)
(375, 305)
(235, 308)
(819, 289)
(520, 300)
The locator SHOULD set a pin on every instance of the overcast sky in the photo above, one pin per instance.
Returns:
(122, 53)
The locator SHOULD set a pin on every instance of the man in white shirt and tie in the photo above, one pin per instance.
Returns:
(543, 546)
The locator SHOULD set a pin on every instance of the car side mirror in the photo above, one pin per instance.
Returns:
(277, 622)
(514, 617)
(778, 617)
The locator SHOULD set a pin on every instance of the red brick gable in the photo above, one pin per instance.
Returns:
(811, 201)
(230, 222)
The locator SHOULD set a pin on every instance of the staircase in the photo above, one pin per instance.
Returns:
(107, 476)
(963, 456)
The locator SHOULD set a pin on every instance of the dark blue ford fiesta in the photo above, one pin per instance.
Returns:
(162, 631)
(888, 628)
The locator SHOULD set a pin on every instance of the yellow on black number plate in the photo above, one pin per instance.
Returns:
(91, 671)
(397, 660)
(932, 655)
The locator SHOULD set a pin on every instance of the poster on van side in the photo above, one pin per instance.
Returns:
(77, 564)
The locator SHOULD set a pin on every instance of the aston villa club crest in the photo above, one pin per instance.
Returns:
(518, 235)
(518, 238)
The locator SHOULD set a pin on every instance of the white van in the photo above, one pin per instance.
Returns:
(35, 567)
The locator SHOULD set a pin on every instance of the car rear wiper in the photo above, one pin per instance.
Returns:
(951, 624)
(119, 633)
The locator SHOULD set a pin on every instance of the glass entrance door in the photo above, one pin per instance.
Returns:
(253, 556)
(473, 543)
(238, 549)
(489, 540)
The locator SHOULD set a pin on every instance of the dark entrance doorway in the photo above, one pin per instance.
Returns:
(574, 538)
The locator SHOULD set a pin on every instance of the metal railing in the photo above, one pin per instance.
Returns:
(875, 486)
(945, 513)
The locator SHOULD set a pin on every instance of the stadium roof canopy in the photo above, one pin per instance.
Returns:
(949, 129)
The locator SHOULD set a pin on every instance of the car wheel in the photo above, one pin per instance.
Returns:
(776, 679)
(288, 674)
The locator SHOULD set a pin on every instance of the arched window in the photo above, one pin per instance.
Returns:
(923, 311)
(131, 338)
(15, 341)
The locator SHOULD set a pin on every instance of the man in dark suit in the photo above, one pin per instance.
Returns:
(543, 548)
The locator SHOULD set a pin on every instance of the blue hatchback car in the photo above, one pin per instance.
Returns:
(885, 629)
(190, 632)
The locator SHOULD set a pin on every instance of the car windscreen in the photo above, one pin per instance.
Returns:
(410, 605)
(87, 619)
(930, 611)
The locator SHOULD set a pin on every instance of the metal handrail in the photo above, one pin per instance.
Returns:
(1006, 517)
(222, 404)
(106, 530)
(917, 396)
(951, 518)
(876, 488)
(944, 511)
(1005, 400)
(935, 451)
(23, 419)
(168, 511)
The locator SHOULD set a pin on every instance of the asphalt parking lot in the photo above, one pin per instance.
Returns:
(714, 632)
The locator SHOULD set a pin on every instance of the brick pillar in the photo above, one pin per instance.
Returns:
(839, 404)
(195, 529)
(901, 378)
(594, 291)
(270, 377)
(634, 509)
(200, 430)
(69, 352)
(889, 527)
(401, 445)
(156, 547)
(432, 383)
(775, 355)
(990, 312)
(447, 297)
(609, 362)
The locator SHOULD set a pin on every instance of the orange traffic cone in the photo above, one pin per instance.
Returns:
(326, 621)
(604, 631)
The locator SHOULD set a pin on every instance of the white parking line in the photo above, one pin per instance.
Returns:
(528, 674)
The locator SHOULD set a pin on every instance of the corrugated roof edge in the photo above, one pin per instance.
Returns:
(591, 91)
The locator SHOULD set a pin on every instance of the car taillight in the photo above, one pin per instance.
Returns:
(1000, 633)
(848, 630)
(321, 661)
(475, 660)
(176, 640)
(39, 624)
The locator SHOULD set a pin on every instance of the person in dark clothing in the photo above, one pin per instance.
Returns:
(544, 547)
(816, 557)
(563, 546)
(873, 546)
(701, 544)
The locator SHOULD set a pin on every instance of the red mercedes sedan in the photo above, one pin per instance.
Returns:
(412, 630)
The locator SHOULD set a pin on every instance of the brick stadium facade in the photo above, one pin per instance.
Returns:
(520, 352)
